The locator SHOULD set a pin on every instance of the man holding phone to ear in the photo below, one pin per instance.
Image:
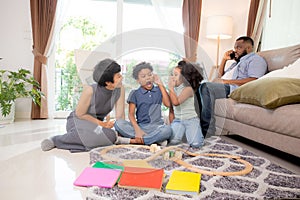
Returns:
(248, 66)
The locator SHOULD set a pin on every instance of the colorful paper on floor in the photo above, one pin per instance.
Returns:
(136, 163)
(182, 182)
(100, 177)
(99, 164)
(142, 178)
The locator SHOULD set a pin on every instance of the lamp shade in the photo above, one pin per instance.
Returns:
(219, 25)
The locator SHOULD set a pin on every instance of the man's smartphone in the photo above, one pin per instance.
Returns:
(232, 55)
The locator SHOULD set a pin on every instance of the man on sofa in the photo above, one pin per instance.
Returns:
(248, 66)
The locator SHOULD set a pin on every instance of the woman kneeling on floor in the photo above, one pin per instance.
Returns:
(89, 126)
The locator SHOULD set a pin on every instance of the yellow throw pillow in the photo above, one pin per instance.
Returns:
(269, 92)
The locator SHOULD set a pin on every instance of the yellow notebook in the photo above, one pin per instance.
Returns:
(182, 182)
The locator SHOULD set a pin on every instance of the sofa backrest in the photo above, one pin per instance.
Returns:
(278, 58)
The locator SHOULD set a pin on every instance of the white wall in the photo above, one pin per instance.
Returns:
(238, 9)
(16, 39)
(16, 43)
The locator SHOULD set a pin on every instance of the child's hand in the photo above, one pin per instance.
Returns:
(171, 82)
(157, 80)
(107, 124)
(110, 124)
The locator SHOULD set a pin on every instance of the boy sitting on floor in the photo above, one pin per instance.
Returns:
(146, 125)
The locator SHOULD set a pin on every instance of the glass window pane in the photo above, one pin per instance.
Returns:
(86, 26)
(282, 28)
(156, 14)
(161, 61)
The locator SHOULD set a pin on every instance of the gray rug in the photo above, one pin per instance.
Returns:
(266, 181)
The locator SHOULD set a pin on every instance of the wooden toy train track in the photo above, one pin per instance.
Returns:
(247, 169)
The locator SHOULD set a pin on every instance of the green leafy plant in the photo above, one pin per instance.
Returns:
(17, 84)
(67, 78)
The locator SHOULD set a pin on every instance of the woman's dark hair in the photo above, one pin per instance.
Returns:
(191, 76)
(139, 67)
(105, 70)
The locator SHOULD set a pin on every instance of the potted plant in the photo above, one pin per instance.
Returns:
(17, 84)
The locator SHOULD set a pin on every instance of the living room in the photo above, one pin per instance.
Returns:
(26, 169)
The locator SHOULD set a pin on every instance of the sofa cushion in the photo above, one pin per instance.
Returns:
(269, 92)
(278, 58)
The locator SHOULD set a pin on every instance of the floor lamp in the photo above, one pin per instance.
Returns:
(219, 27)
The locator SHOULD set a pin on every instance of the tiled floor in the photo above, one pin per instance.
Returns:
(26, 172)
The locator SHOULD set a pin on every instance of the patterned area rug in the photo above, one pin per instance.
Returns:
(266, 181)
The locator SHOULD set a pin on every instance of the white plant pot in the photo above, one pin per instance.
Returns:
(10, 118)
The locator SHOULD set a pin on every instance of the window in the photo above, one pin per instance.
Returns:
(282, 28)
(90, 23)
(161, 66)
(85, 27)
(156, 14)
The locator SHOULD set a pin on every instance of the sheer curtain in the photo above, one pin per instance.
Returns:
(165, 9)
(259, 22)
(252, 16)
(282, 26)
(191, 14)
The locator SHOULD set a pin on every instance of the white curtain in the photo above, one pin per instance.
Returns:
(165, 11)
(282, 28)
(259, 23)
(61, 11)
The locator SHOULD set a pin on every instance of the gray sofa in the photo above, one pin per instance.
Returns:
(278, 128)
